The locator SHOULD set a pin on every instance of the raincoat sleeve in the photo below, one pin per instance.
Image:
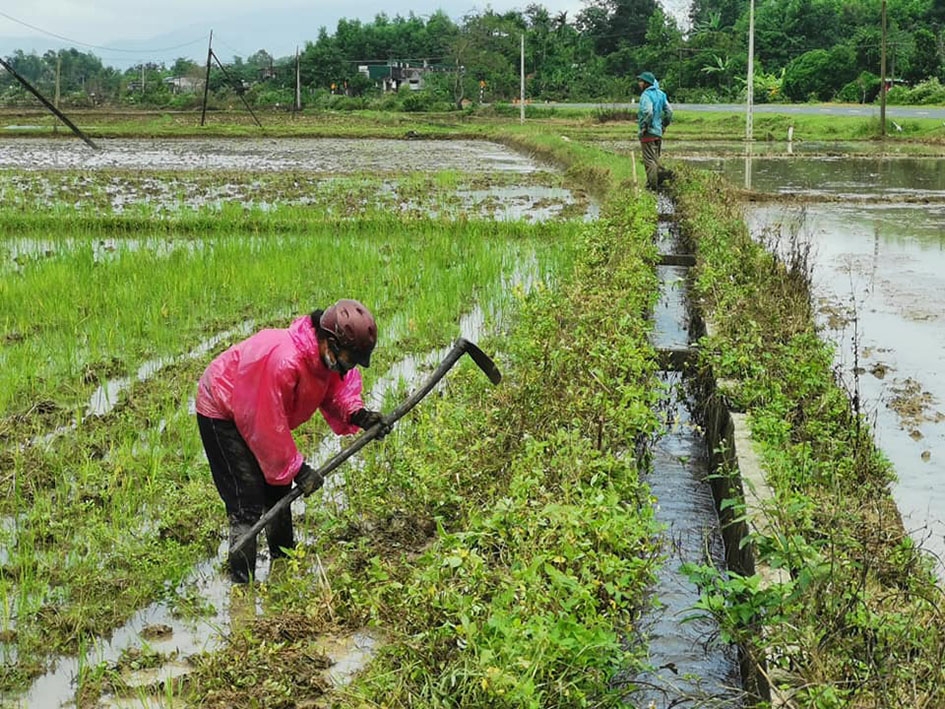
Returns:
(260, 414)
(341, 400)
(667, 113)
(645, 115)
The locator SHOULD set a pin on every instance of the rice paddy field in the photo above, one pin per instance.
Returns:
(456, 552)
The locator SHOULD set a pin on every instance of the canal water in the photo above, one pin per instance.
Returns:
(690, 666)
(879, 291)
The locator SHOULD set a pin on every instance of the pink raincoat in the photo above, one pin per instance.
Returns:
(270, 384)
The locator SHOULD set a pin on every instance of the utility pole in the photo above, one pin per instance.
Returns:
(749, 126)
(882, 76)
(298, 81)
(521, 98)
(43, 100)
(206, 81)
(58, 75)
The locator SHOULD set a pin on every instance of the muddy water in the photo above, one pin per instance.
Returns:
(170, 176)
(690, 666)
(888, 177)
(333, 156)
(879, 285)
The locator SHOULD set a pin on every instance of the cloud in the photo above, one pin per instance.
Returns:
(100, 22)
(122, 35)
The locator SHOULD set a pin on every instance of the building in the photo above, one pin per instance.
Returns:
(183, 84)
(392, 75)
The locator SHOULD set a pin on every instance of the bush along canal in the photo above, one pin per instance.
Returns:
(837, 606)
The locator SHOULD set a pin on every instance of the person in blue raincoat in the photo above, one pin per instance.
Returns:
(653, 117)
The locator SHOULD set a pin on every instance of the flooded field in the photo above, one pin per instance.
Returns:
(885, 177)
(327, 156)
(879, 279)
(336, 178)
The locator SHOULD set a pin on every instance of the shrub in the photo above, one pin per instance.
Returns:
(863, 89)
(417, 101)
(898, 95)
(818, 74)
(928, 92)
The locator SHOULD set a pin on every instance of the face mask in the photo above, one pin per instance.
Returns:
(334, 361)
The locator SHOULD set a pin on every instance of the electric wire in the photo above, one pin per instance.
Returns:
(98, 46)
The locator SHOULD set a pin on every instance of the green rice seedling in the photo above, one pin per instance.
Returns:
(118, 498)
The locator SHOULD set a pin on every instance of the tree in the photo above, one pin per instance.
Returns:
(661, 51)
(719, 14)
(819, 73)
(185, 67)
(322, 62)
(926, 61)
(612, 24)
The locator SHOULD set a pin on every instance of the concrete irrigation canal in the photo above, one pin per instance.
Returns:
(691, 666)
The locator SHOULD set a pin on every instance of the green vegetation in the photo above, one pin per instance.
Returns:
(522, 544)
(584, 125)
(500, 540)
(804, 49)
(112, 513)
(858, 622)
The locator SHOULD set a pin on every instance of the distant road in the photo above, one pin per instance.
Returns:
(796, 108)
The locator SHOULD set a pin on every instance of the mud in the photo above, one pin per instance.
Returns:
(879, 286)
(535, 196)
(327, 156)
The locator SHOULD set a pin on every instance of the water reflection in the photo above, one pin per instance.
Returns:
(879, 284)
(830, 176)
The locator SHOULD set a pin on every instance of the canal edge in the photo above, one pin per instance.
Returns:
(735, 468)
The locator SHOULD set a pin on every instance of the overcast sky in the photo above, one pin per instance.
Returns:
(125, 33)
(246, 24)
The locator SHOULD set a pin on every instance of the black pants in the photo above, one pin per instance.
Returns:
(246, 494)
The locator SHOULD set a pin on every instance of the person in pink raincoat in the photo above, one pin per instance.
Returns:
(252, 396)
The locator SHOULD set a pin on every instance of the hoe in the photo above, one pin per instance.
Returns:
(460, 347)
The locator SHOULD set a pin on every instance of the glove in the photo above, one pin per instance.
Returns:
(365, 418)
(308, 479)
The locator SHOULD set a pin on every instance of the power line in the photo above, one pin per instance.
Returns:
(97, 46)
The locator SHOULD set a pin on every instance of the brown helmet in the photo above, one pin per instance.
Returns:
(353, 326)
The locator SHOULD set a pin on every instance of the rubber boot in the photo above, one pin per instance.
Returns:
(243, 563)
(279, 534)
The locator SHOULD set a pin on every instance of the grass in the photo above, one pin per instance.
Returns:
(507, 557)
(482, 123)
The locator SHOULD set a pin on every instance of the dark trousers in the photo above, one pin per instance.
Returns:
(245, 493)
(651, 161)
